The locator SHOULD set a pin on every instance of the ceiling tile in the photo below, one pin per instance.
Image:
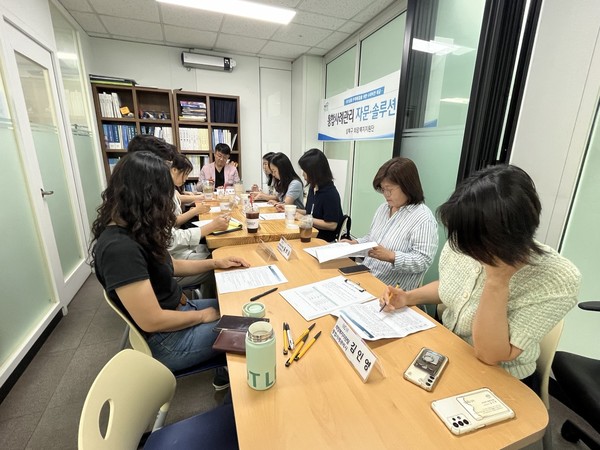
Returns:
(189, 38)
(350, 27)
(191, 18)
(89, 22)
(372, 9)
(134, 9)
(280, 3)
(345, 9)
(76, 5)
(300, 35)
(289, 51)
(334, 39)
(247, 45)
(318, 20)
(132, 28)
(248, 27)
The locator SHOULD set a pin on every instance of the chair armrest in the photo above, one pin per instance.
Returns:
(590, 306)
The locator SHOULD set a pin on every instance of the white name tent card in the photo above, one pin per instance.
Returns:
(326, 296)
(285, 248)
(354, 348)
(338, 250)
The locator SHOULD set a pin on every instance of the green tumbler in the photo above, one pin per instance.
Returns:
(260, 356)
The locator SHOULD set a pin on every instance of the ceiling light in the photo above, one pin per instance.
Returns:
(241, 8)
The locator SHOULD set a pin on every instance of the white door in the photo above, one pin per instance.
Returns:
(48, 160)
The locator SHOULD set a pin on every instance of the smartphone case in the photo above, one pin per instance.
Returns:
(470, 411)
(353, 270)
(426, 369)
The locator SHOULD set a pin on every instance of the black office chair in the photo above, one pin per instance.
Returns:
(343, 229)
(579, 380)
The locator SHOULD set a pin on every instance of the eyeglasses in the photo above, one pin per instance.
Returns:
(388, 191)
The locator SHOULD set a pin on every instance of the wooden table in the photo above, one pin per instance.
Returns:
(268, 230)
(319, 402)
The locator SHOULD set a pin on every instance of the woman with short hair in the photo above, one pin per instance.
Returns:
(504, 290)
(403, 227)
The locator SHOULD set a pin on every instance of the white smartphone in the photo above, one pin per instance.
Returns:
(468, 412)
(426, 369)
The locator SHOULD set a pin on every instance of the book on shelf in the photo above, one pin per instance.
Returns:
(117, 137)
(223, 136)
(110, 104)
(192, 110)
(112, 162)
(193, 139)
(165, 133)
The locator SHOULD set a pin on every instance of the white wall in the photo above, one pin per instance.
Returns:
(160, 66)
(33, 17)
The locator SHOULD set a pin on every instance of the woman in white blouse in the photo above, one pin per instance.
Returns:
(404, 229)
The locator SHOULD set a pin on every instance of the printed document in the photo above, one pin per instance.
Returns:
(253, 277)
(323, 297)
(371, 324)
(338, 250)
(271, 216)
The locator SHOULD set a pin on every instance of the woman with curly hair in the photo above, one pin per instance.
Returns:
(129, 245)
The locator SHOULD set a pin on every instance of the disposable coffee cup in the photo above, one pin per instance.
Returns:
(290, 216)
(252, 220)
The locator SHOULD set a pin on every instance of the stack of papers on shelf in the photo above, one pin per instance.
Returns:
(324, 297)
(370, 324)
(338, 250)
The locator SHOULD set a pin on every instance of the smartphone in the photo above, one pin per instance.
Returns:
(426, 369)
(470, 411)
(353, 270)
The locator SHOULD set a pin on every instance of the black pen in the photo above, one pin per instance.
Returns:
(256, 297)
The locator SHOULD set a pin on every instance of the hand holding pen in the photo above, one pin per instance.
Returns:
(393, 300)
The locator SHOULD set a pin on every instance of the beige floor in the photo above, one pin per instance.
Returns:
(42, 410)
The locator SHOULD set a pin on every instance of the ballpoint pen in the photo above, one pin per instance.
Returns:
(307, 346)
(388, 298)
(256, 297)
(290, 338)
(285, 339)
(295, 353)
(304, 333)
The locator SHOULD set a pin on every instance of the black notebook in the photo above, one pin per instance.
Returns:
(236, 323)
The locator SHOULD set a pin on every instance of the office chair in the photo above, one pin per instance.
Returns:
(579, 379)
(138, 342)
(343, 229)
(133, 386)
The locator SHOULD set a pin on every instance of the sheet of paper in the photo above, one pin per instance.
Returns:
(253, 277)
(263, 205)
(337, 250)
(271, 216)
(215, 209)
(371, 324)
(201, 223)
(323, 297)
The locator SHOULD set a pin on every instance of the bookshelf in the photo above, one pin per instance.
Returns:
(125, 111)
(194, 122)
(204, 120)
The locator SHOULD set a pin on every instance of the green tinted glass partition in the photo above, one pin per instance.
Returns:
(78, 109)
(581, 244)
(26, 287)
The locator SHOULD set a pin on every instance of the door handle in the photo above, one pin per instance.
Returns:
(46, 193)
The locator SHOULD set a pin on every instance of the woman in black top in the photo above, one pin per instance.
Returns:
(129, 254)
(323, 200)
